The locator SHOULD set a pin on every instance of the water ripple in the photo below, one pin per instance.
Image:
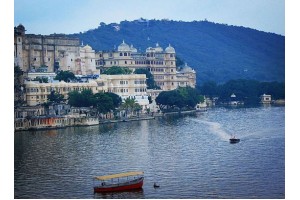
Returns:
(188, 156)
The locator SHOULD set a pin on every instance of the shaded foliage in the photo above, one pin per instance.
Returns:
(102, 102)
(55, 97)
(66, 76)
(115, 70)
(182, 97)
(245, 90)
(41, 79)
(18, 85)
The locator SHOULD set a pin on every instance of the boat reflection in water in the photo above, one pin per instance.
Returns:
(128, 194)
(119, 182)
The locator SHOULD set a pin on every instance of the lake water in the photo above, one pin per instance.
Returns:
(188, 156)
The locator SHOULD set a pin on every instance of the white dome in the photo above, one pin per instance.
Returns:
(124, 47)
(158, 48)
(132, 49)
(170, 49)
(87, 47)
(187, 69)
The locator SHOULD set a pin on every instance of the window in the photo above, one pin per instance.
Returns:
(121, 54)
(125, 62)
(125, 54)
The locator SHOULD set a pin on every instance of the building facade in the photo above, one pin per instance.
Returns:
(48, 53)
(126, 86)
(160, 62)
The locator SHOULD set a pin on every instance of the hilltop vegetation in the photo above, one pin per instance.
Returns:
(218, 52)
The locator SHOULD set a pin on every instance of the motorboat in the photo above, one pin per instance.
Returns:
(233, 140)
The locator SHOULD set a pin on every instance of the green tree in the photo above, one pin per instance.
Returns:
(182, 97)
(18, 85)
(130, 105)
(55, 97)
(209, 88)
(41, 79)
(150, 79)
(66, 76)
(74, 98)
(117, 100)
(81, 99)
(103, 103)
(116, 70)
(87, 98)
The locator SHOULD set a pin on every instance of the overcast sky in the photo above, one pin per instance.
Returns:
(73, 16)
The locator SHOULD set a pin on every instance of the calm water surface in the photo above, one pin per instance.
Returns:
(188, 156)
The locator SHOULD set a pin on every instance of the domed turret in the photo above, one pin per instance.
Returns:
(123, 47)
(19, 30)
(21, 27)
(158, 48)
(187, 69)
(87, 47)
(132, 49)
(170, 49)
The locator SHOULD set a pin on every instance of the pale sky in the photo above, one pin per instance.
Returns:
(73, 16)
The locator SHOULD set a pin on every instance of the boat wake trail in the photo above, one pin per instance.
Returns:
(215, 128)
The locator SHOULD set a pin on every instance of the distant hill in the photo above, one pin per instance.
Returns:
(217, 52)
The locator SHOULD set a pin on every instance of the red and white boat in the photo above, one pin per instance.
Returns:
(119, 182)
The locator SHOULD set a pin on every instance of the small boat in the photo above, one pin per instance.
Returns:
(234, 140)
(119, 182)
(155, 185)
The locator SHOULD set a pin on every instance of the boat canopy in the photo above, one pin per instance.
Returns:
(107, 177)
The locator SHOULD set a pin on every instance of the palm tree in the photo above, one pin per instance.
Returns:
(130, 105)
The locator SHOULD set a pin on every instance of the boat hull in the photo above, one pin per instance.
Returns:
(232, 141)
(119, 187)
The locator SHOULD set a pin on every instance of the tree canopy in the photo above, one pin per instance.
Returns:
(245, 90)
(182, 97)
(103, 102)
(116, 70)
(55, 97)
(66, 76)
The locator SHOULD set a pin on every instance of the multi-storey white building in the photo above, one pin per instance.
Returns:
(126, 86)
(160, 62)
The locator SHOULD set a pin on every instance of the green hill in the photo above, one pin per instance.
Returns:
(217, 52)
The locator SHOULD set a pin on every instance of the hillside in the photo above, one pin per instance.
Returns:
(217, 52)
